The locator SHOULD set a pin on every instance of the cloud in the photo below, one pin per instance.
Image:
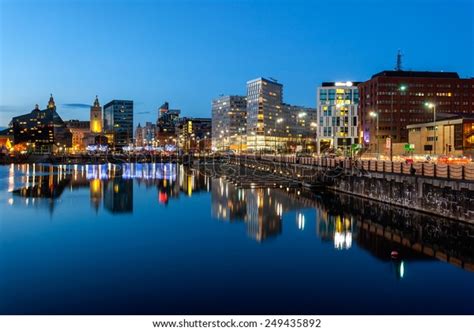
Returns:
(12, 109)
(76, 105)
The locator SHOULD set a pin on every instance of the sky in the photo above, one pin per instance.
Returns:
(189, 52)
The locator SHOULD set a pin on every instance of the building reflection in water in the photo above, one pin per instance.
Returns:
(340, 220)
(335, 227)
(110, 185)
(257, 208)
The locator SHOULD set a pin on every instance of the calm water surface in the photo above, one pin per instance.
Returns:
(160, 238)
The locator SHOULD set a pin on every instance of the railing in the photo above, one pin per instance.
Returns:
(446, 171)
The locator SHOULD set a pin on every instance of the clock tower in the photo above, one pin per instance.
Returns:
(96, 117)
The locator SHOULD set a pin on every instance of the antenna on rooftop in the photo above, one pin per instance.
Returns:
(398, 66)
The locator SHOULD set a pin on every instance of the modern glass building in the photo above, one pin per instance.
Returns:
(118, 122)
(229, 123)
(273, 125)
(264, 107)
(337, 120)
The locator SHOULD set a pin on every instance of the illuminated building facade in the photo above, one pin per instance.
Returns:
(80, 131)
(118, 122)
(337, 116)
(229, 123)
(194, 134)
(145, 135)
(96, 117)
(264, 107)
(454, 135)
(406, 92)
(41, 130)
(273, 125)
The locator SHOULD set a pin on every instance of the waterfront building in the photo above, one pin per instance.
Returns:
(118, 122)
(96, 117)
(273, 125)
(166, 125)
(145, 135)
(229, 123)
(397, 98)
(264, 107)
(41, 131)
(297, 130)
(194, 134)
(337, 116)
(454, 135)
(80, 131)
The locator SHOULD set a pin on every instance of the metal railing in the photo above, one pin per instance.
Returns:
(444, 171)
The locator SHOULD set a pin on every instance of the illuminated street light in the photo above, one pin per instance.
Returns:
(376, 115)
(401, 88)
(432, 105)
(277, 121)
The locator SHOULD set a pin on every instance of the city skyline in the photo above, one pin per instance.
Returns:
(190, 69)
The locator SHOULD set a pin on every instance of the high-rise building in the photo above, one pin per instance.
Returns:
(41, 130)
(273, 125)
(96, 117)
(337, 116)
(229, 123)
(397, 99)
(264, 107)
(118, 122)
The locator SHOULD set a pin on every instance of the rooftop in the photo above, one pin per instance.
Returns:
(416, 74)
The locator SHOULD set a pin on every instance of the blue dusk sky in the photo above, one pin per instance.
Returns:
(189, 52)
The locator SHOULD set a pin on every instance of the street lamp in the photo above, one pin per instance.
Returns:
(241, 130)
(300, 115)
(314, 125)
(277, 121)
(432, 105)
(401, 88)
(376, 115)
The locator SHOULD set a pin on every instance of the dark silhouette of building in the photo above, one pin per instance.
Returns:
(166, 125)
(41, 130)
(194, 134)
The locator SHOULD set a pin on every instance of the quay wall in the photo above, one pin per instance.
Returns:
(443, 190)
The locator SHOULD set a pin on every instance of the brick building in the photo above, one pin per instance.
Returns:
(398, 99)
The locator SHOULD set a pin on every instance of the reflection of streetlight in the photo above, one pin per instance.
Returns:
(401, 88)
(376, 115)
(432, 105)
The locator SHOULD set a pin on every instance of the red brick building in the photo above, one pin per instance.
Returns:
(398, 98)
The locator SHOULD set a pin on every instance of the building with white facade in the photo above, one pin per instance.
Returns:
(337, 120)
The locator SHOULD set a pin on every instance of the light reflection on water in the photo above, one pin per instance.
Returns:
(325, 236)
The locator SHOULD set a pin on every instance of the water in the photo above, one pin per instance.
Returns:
(164, 239)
